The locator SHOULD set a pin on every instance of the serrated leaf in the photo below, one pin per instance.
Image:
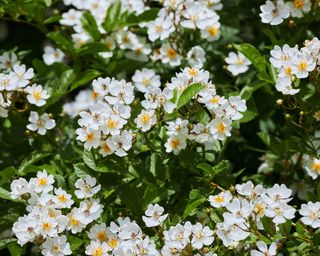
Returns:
(257, 60)
(88, 159)
(189, 93)
(61, 41)
(89, 24)
(31, 159)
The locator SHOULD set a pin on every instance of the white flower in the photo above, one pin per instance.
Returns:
(40, 123)
(145, 78)
(99, 232)
(89, 211)
(274, 13)
(303, 64)
(86, 188)
(169, 55)
(26, 228)
(222, 199)
(48, 226)
(196, 57)
(201, 236)
(120, 92)
(147, 247)
(220, 128)
(284, 85)
(282, 56)
(154, 215)
(8, 60)
(160, 28)
(74, 223)
(57, 246)
(23, 75)
(175, 144)
(62, 199)
(249, 190)
(19, 187)
(277, 194)
(178, 127)
(90, 137)
(42, 183)
(310, 214)
(298, 7)
(36, 95)
(264, 250)
(146, 119)
(121, 143)
(8, 82)
(237, 63)
(96, 248)
(312, 166)
(212, 31)
(113, 124)
(71, 18)
(52, 55)
(238, 105)
(156, 98)
(106, 149)
(280, 212)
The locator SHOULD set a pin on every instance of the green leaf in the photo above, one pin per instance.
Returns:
(15, 249)
(250, 113)
(146, 16)
(61, 41)
(268, 225)
(81, 170)
(87, 77)
(88, 159)
(257, 60)
(30, 160)
(5, 194)
(248, 90)
(112, 17)
(89, 24)
(75, 242)
(52, 19)
(5, 242)
(195, 199)
(264, 137)
(189, 93)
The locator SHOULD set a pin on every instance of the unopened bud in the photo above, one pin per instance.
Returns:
(279, 102)
(287, 116)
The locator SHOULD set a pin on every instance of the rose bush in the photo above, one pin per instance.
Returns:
(170, 127)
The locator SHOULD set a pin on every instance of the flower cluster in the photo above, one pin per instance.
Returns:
(51, 212)
(16, 86)
(173, 17)
(274, 12)
(293, 63)
(244, 211)
(104, 125)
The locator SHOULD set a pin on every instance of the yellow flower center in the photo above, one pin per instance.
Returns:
(171, 53)
(62, 198)
(105, 148)
(193, 72)
(90, 136)
(42, 181)
(113, 243)
(175, 142)
(94, 95)
(213, 31)
(97, 251)
(56, 248)
(46, 226)
(299, 4)
(73, 221)
(102, 236)
(159, 28)
(316, 166)
(219, 199)
(221, 127)
(214, 100)
(112, 124)
(146, 82)
(288, 70)
(145, 118)
(302, 66)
